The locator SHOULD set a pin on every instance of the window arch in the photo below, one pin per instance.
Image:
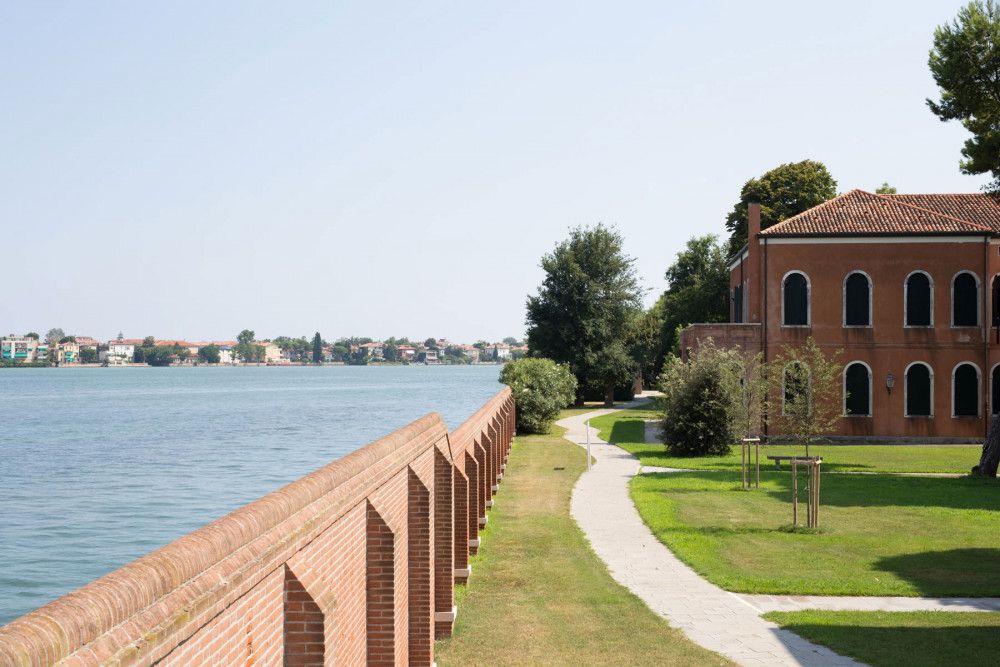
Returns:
(795, 389)
(965, 299)
(857, 389)
(857, 299)
(919, 390)
(795, 299)
(965, 390)
(919, 297)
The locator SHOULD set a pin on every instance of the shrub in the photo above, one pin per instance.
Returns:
(701, 399)
(541, 388)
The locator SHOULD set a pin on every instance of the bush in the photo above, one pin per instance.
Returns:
(702, 398)
(541, 388)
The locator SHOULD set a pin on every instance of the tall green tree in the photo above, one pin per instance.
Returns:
(697, 290)
(885, 189)
(54, 336)
(965, 63)
(390, 352)
(317, 349)
(584, 308)
(782, 192)
(209, 354)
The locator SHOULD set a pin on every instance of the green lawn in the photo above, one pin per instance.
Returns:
(538, 595)
(890, 639)
(879, 534)
(626, 429)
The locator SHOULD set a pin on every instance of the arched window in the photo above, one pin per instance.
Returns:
(965, 390)
(965, 300)
(919, 300)
(795, 300)
(857, 300)
(919, 390)
(795, 389)
(857, 390)
(738, 304)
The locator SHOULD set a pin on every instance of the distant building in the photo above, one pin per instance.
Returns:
(407, 353)
(374, 350)
(122, 350)
(23, 349)
(501, 351)
(67, 353)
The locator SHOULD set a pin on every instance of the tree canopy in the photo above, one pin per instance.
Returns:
(317, 348)
(697, 290)
(885, 189)
(782, 192)
(209, 354)
(585, 306)
(965, 63)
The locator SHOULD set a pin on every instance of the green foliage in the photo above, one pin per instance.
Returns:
(431, 344)
(510, 340)
(67, 339)
(701, 402)
(454, 355)
(245, 348)
(182, 353)
(885, 189)
(317, 349)
(965, 63)
(160, 355)
(88, 355)
(149, 341)
(54, 336)
(782, 192)
(390, 352)
(697, 291)
(541, 388)
(808, 382)
(209, 354)
(585, 306)
(32, 334)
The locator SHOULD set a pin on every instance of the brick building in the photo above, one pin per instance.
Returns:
(908, 286)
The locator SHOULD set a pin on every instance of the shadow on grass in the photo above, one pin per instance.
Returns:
(934, 571)
(913, 646)
(631, 431)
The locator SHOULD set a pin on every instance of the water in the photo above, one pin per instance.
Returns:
(100, 466)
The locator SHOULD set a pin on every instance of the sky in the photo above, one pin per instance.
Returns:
(188, 170)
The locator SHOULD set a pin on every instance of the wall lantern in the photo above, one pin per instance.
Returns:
(890, 382)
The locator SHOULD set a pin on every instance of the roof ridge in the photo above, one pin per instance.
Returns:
(927, 210)
(814, 208)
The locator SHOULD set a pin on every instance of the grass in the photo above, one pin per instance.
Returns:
(916, 639)
(627, 430)
(879, 534)
(538, 595)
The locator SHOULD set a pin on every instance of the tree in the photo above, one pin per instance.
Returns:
(149, 341)
(160, 355)
(989, 460)
(885, 189)
(67, 339)
(701, 401)
(182, 353)
(697, 291)
(585, 306)
(431, 344)
(809, 385)
(510, 341)
(965, 63)
(245, 348)
(541, 388)
(209, 354)
(54, 336)
(644, 342)
(754, 378)
(32, 334)
(317, 348)
(390, 352)
(782, 192)
(88, 355)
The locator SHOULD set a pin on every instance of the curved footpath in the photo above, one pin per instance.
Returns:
(724, 622)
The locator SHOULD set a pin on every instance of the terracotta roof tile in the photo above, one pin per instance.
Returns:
(978, 207)
(863, 213)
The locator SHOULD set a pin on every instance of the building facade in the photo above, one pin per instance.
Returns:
(907, 287)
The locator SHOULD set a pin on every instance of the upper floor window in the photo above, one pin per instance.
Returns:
(795, 300)
(919, 300)
(738, 304)
(919, 390)
(857, 390)
(965, 390)
(965, 300)
(857, 300)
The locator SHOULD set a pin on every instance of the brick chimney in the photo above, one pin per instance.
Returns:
(753, 222)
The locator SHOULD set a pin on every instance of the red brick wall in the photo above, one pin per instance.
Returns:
(353, 563)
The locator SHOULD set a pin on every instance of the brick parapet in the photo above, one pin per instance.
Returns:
(187, 603)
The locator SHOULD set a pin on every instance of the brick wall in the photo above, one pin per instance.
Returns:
(353, 563)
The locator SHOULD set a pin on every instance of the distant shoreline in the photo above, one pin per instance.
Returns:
(289, 365)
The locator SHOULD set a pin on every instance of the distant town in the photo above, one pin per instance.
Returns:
(58, 349)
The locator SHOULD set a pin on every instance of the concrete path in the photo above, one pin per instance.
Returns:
(708, 615)
(728, 623)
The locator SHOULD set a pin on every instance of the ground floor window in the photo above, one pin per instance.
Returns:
(918, 390)
(965, 388)
(857, 390)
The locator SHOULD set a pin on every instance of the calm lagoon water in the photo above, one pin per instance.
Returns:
(100, 466)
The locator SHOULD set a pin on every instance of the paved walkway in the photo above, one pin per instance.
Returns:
(725, 622)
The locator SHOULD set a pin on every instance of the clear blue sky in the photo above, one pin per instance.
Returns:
(191, 169)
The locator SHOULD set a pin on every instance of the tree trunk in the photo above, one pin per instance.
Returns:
(990, 458)
(609, 395)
